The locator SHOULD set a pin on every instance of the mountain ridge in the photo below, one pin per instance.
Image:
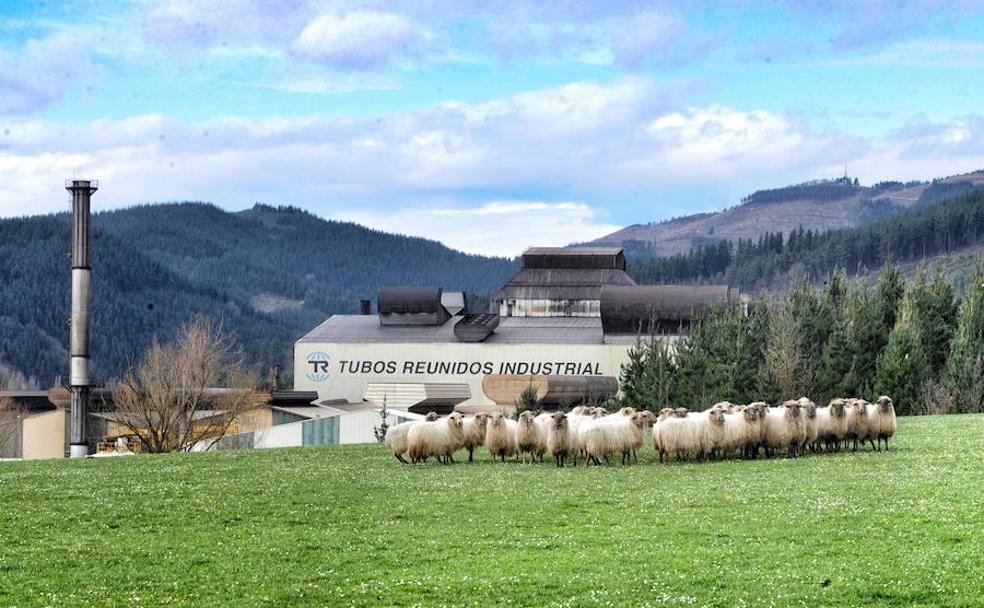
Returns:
(756, 214)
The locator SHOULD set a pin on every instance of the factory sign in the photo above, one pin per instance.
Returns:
(470, 368)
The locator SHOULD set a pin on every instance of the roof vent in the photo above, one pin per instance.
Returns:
(403, 306)
(476, 328)
(455, 302)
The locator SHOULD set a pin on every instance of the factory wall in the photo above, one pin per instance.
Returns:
(341, 370)
(44, 435)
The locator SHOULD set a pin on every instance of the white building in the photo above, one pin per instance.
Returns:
(420, 354)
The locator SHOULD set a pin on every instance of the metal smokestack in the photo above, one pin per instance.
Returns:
(79, 381)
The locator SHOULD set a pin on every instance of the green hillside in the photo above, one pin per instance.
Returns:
(350, 526)
(270, 274)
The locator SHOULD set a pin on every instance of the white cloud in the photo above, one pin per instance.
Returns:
(360, 40)
(42, 72)
(454, 170)
(930, 53)
(502, 228)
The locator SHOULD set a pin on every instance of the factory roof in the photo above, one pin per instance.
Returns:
(511, 330)
(573, 251)
(574, 257)
(561, 284)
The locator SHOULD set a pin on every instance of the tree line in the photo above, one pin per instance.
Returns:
(934, 229)
(914, 341)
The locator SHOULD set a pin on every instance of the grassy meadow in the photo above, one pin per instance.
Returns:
(350, 526)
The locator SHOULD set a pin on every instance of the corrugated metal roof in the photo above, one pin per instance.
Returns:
(573, 251)
(560, 284)
(511, 330)
(305, 411)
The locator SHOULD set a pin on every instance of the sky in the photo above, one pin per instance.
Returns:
(490, 126)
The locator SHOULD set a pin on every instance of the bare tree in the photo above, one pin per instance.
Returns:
(785, 364)
(186, 394)
(11, 414)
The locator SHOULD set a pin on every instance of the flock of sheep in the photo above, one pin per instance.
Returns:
(593, 435)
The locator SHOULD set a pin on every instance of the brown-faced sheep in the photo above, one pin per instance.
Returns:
(439, 438)
(530, 439)
(500, 436)
(832, 424)
(741, 430)
(857, 423)
(559, 438)
(810, 430)
(884, 420)
(474, 428)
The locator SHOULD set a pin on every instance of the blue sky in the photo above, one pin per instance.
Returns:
(488, 125)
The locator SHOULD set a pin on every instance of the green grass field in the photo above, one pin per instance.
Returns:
(347, 525)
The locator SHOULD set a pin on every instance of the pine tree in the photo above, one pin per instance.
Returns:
(835, 365)
(941, 322)
(692, 362)
(888, 297)
(965, 367)
(902, 370)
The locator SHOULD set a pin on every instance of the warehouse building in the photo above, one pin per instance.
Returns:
(565, 324)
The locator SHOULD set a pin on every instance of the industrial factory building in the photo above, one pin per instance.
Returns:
(564, 323)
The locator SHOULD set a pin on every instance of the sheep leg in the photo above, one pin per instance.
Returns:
(401, 458)
(471, 451)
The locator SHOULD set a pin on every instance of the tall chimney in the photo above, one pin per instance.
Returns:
(79, 381)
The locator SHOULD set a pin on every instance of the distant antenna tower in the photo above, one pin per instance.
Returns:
(80, 383)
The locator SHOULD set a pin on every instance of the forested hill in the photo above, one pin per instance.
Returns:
(820, 205)
(944, 228)
(270, 274)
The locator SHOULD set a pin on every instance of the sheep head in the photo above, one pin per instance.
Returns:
(527, 417)
(627, 411)
(648, 417)
(716, 415)
(750, 414)
(497, 419)
(666, 412)
(885, 404)
(559, 420)
(681, 412)
(431, 416)
(456, 420)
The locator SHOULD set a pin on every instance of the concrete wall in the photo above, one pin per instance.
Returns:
(352, 365)
(44, 435)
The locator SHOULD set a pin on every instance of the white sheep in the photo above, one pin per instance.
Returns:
(713, 431)
(439, 438)
(500, 436)
(612, 435)
(857, 422)
(559, 438)
(474, 427)
(530, 439)
(832, 424)
(677, 433)
(396, 437)
(884, 420)
(741, 430)
(810, 431)
(783, 428)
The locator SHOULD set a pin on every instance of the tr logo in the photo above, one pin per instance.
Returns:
(319, 367)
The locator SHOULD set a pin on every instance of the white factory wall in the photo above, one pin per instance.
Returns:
(341, 370)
